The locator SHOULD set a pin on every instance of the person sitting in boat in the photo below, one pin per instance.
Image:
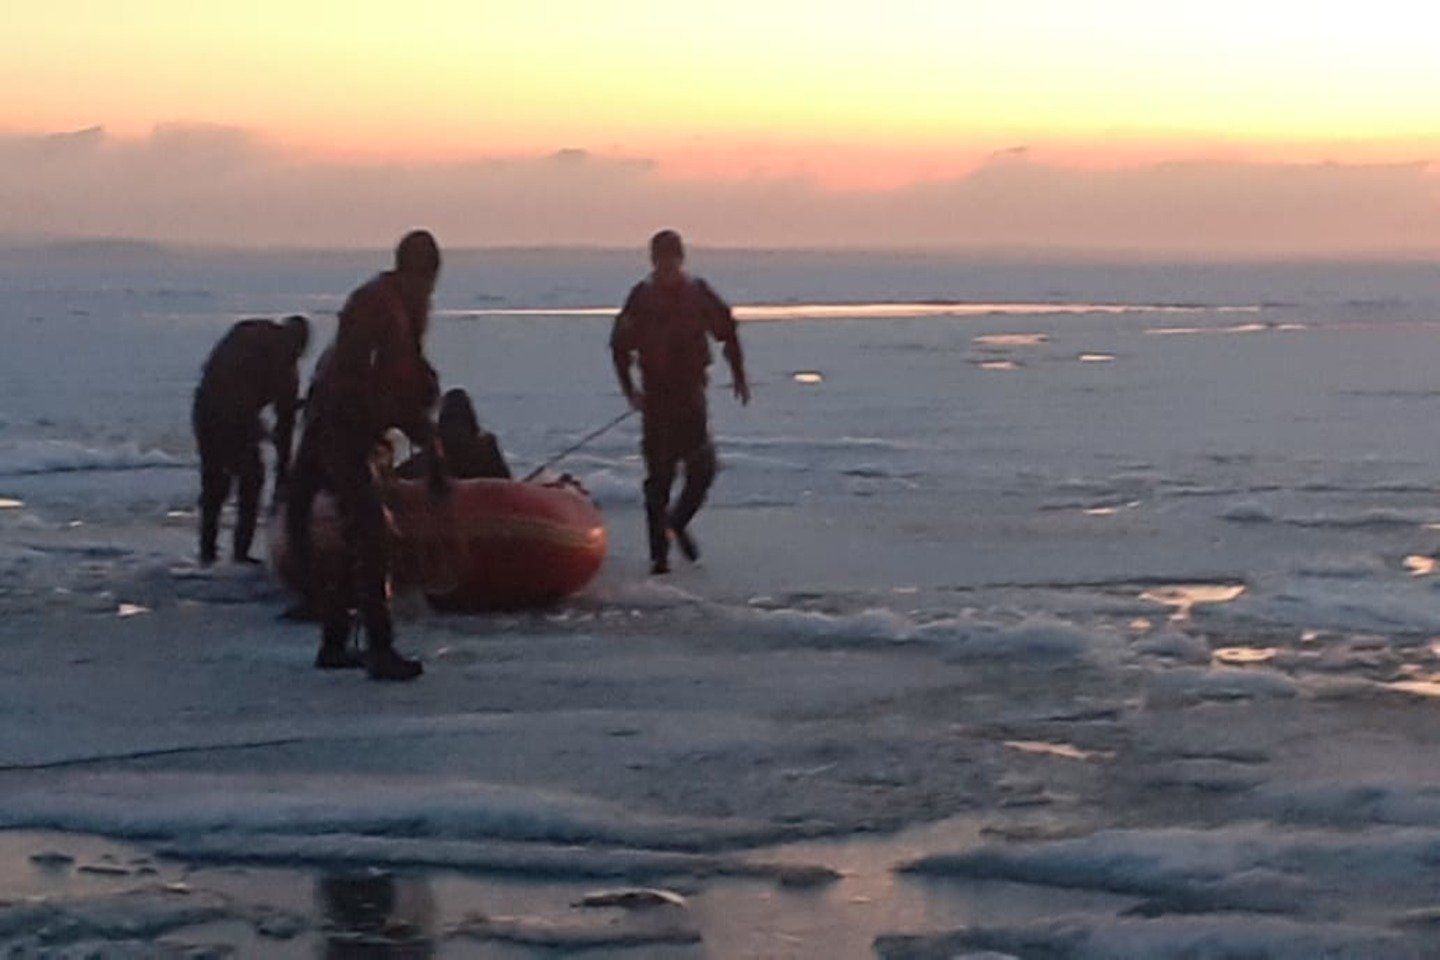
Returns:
(471, 452)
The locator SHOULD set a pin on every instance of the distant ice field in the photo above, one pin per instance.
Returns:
(1046, 609)
(926, 397)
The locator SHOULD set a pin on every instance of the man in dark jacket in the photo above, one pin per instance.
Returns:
(666, 322)
(376, 377)
(251, 368)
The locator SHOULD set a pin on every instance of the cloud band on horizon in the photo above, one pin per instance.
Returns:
(219, 185)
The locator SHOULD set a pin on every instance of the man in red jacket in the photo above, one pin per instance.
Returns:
(375, 377)
(667, 322)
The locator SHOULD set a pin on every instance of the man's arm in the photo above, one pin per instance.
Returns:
(287, 399)
(724, 328)
(352, 358)
(623, 373)
(420, 428)
(735, 357)
(622, 350)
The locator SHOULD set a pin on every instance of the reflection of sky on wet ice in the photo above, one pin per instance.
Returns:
(1184, 597)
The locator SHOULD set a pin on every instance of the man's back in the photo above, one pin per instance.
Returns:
(251, 367)
(374, 375)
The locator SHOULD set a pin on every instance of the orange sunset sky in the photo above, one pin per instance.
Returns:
(1221, 128)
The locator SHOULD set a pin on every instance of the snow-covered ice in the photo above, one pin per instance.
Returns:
(1125, 651)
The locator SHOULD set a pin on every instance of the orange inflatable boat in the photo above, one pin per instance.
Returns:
(489, 545)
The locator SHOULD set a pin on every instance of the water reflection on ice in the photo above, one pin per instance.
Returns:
(1420, 688)
(1110, 510)
(1012, 339)
(1241, 656)
(1420, 565)
(900, 310)
(1191, 331)
(1067, 751)
(1184, 597)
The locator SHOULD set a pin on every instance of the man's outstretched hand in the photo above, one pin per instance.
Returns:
(742, 391)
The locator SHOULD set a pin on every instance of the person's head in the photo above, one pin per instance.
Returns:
(667, 254)
(457, 418)
(417, 261)
(297, 332)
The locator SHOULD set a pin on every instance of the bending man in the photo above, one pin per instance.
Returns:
(251, 368)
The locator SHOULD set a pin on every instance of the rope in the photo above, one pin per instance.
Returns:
(592, 435)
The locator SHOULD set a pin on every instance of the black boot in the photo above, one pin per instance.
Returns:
(689, 549)
(381, 660)
(338, 658)
(335, 650)
(383, 663)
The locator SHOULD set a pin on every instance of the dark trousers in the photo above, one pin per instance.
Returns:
(229, 452)
(674, 438)
(340, 464)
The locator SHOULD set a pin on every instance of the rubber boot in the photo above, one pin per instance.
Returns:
(689, 549)
(381, 660)
(335, 651)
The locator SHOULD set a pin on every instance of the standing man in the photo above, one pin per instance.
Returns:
(666, 321)
(376, 377)
(251, 368)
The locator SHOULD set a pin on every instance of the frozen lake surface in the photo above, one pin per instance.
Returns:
(1046, 611)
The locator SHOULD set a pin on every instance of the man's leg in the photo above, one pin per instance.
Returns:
(659, 478)
(214, 488)
(337, 593)
(304, 486)
(336, 589)
(699, 475)
(251, 472)
(365, 537)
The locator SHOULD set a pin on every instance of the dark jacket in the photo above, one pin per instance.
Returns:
(670, 329)
(375, 375)
(252, 367)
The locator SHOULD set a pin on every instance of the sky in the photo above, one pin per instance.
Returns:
(1211, 129)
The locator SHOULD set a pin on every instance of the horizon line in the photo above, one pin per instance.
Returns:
(40, 243)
